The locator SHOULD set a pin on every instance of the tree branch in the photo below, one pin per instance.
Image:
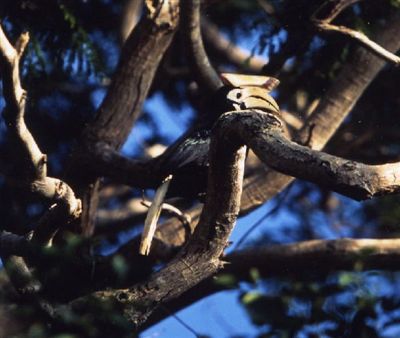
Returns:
(141, 55)
(11, 244)
(200, 257)
(350, 178)
(336, 7)
(357, 73)
(205, 74)
(322, 256)
(231, 52)
(308, 259)
(140, 58)
(30, 167)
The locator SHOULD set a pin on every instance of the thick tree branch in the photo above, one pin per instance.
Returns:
(140, 58)
(357, 73)
(121, 169)
(302, 260)
(141, 55)
(322, 256)
(350, 178)
(11, 244)
(33, 171)
(200, 257)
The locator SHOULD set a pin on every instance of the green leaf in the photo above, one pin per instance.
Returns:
(255, 274)
(226, 280)
(346, 278)
(251, 297)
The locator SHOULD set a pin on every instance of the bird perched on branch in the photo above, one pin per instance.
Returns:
(187, 158)
(185, 162)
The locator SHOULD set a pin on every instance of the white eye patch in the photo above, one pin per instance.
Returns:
(252, 97)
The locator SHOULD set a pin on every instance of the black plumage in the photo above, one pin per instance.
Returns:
(187, 158)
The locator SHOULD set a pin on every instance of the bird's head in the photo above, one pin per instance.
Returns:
(250, 92)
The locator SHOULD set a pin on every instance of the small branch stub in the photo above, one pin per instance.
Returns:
(152, 217)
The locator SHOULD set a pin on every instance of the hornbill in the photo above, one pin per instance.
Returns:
(186, 160)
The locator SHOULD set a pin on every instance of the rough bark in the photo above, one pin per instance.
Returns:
(200, 258)
(140, 58)
(357, 73)
(29, 164)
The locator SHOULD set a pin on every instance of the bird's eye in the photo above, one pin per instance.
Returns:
(238, 95)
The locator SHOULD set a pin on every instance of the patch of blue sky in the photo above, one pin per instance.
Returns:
(377, 284)
(250, 40)
(299, 308)
(316, 330)
(169, 124)
(97, 97)
(219, 315)
(110, 48)
(388, 323)
(271, 229)
(106, 249)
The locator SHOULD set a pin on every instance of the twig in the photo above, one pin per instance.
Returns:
(180, 321)
(262, 219)
(184, 218)
(324, 24)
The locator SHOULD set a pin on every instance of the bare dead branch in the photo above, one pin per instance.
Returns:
(130, 17)
(334, 9)
(329, 10)
(30, 163)
(205, 74)
(173, 232)
(153, 216)
(174, 211)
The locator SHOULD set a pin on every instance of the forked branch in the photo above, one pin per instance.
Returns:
(30, 167)
(333, 8)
